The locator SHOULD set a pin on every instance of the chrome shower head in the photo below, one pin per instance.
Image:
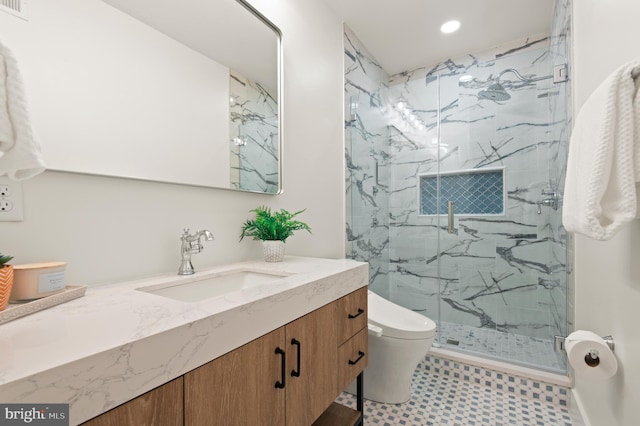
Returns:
(495, 92)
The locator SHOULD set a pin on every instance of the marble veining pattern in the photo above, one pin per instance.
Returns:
(254, 140)
(503, 273)
(116, 342)
(367, 161)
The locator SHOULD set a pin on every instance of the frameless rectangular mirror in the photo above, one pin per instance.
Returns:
(174, 91)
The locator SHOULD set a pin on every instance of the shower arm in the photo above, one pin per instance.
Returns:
(520, 77)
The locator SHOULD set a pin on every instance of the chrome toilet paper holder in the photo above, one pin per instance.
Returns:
(559, 343)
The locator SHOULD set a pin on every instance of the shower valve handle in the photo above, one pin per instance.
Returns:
(552, 202)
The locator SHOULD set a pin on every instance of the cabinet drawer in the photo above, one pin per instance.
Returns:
(352, 358)
(352, 314)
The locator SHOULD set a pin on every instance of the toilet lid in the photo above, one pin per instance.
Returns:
(397, 321)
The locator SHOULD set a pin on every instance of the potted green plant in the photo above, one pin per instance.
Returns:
(273, 229)
(6, 280)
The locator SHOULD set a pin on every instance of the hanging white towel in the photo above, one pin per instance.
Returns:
(604, 158)
(21, 156)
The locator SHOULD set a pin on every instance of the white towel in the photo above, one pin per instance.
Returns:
(604, 159)
(21, 156)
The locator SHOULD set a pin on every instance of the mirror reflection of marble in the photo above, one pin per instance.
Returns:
(183, 92)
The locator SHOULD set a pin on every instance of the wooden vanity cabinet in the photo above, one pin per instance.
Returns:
(352, 343)
(161, 406)
(313, 384)
(353, 336)
(239, 387)
(290, 376)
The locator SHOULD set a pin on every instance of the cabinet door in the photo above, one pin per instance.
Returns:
(161, 406)
(314, 389)
(239, 387)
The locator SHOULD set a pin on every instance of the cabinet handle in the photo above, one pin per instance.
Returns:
(360, 355)
(280, 384)
(360, 312)
(296, 373)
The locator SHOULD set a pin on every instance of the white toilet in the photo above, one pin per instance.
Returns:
(398, 339)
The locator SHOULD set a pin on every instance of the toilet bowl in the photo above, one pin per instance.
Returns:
(398, 339)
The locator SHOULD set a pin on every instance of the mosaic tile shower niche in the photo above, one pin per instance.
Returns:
(474, 193)
(498, 285)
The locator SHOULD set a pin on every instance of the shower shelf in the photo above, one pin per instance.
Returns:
(476, 192)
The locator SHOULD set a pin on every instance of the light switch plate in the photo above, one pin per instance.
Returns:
(10, 200)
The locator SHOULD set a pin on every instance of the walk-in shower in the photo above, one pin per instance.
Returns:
(493, 273)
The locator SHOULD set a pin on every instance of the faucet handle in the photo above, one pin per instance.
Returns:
(551, 192)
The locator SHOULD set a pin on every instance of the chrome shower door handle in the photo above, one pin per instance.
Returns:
(450, 218)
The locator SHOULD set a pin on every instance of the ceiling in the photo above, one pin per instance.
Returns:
(405, 34)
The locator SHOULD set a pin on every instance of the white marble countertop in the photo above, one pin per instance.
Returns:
(116, 342)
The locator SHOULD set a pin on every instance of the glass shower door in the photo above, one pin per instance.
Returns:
(367, 187)
(500, 286)
(414, 276)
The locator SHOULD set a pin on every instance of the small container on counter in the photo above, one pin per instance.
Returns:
(37, 280)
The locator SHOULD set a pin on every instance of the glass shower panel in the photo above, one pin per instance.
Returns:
(414, 278)
(500, 264)
(367, 161)
(367, 188)
(560, 297)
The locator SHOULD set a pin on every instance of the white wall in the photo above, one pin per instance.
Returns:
(111, 229)
(608, 273)
(127, 102)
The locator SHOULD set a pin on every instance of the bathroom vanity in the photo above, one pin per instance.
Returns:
(278, 352)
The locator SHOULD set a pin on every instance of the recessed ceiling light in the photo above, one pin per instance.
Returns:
(450, 26)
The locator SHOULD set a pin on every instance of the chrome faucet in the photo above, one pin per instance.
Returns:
(191, 244)
(552, 202)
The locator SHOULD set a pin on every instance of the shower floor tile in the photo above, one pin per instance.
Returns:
(439, 400)
(529, 351)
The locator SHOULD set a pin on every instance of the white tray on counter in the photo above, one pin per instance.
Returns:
(17, 310)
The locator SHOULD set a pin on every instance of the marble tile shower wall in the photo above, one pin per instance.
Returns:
(367, 160)
(253, 118)
(502, 272)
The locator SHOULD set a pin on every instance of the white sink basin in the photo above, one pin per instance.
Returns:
(195, 289)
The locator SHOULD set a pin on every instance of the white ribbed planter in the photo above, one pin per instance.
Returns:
(273, 250)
